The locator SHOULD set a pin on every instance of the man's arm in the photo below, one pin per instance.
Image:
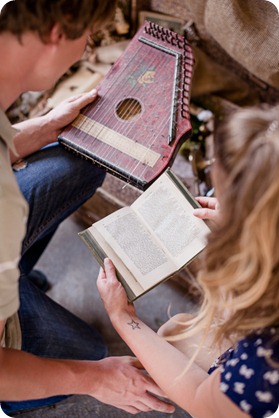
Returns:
(117, 381)
(40, 131)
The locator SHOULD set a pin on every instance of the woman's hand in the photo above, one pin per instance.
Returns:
(210, 209)
(112, 292)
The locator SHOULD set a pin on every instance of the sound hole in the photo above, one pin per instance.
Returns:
(128, 109)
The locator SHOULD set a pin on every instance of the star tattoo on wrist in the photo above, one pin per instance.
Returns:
(133, 324)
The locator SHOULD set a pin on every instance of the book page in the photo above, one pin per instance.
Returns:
(135, 246)
(169, 215)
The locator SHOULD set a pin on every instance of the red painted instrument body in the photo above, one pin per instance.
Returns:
(141, 116)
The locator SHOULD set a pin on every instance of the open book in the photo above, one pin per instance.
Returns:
(152, 239)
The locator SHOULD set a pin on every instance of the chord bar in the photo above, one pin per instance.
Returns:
(116, 140)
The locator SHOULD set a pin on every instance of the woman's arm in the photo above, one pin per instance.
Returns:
(195, 391)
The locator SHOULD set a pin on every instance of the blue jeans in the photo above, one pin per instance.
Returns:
(55, 183)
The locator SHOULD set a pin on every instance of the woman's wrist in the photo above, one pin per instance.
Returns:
(124, 317)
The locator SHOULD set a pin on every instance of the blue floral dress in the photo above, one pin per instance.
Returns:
(250, 373)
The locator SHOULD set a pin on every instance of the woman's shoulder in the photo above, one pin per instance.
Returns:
(250, 372)
(260, 345)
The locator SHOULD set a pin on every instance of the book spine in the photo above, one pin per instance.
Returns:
(93, 246)
(182, 189)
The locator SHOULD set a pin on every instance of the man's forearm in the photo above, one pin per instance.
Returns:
(25, 376)
(33, 135)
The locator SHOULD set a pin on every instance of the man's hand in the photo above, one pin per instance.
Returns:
(67, 111)
(40, 131)
(125, 385)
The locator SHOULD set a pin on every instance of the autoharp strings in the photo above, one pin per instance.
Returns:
(105, 110)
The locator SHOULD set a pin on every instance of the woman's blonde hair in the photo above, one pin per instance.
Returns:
(240, 275)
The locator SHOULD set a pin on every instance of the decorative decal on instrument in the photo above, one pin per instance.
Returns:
(147, 78)
(116, 140)
(143, 75)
